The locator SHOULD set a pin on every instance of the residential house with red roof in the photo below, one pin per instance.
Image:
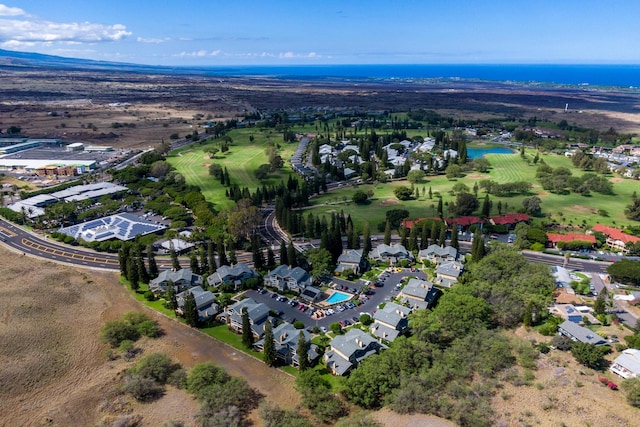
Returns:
(616, 238)
(555, 238)
(509, 220)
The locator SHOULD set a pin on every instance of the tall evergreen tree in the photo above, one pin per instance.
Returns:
(143, 275)
(170, 296)
(211, 258)
(204, 262)
(151, 260)
(175, 264)
(413, 238)
(284, 256)
(190, 310)
(440, 207)
(132, 274)
(222, 255)
(387, 233)
(355, 244)
(486, 207)
(123, 259)
(366, 239)
(454, 237)
(478, 250)
(291, 255)
(193, 262)
(256, 253)
(269, 347)
(430, 193)
(424, 237)
(404, 238)
(247, 333)
(443, 236)
(233, 260)
(271, 258)
(435, 228)
(303, 353)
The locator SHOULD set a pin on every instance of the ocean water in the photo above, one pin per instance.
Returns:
(596, 75)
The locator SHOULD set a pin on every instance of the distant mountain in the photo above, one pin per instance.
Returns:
(14, 59)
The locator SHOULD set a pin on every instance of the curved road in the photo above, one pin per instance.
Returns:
(20, 240)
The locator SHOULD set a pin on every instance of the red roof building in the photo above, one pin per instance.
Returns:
(465, 221)
(509, 219)
(616, 238)
(409, 223)
(555, 238)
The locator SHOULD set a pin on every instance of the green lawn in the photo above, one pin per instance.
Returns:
(242, 159)
(245, 156)
(571, 209)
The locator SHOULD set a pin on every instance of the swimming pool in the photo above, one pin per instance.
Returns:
(338, 297)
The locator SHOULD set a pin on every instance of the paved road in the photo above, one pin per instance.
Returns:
(30, 243)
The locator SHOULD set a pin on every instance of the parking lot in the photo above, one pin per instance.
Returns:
(290, 312)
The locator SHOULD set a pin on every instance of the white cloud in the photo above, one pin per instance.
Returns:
(198, 53)
(16, 27)
(152, 40)
(11, 11)
(293, 55)
(216, 52)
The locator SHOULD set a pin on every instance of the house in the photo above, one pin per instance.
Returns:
(286, 343)
(438, 254)
(574, 313)
(616, 238)
(567, 312)
(311, 294)
(258, 315)
(419, 294)
(555, 238)
(447, 273)
(351, 260)
(464, 222)
(286, 278)
(627, 365)
(178, 245)
(391, 253)
(181, 279)
(580, 333)
(390, 321)
(235, 275)
(509, 220)
(348, 350)
(205, 302)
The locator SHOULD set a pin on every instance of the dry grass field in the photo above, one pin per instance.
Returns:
(54, 370)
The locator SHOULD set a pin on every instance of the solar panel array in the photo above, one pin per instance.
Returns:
(120, 226)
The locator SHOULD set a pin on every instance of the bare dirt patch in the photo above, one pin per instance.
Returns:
(616, 180)
(478, 176)
(391, 419)
(389, 202)
(543, 193)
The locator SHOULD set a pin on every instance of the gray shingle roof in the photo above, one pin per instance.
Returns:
(580, 333)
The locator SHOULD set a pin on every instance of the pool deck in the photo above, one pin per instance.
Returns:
(329, 292)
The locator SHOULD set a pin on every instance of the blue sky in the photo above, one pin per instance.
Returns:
(282, 32)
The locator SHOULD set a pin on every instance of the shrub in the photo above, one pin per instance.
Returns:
(157, 366)
(561, 342)
(142, 389)
(116, 331)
